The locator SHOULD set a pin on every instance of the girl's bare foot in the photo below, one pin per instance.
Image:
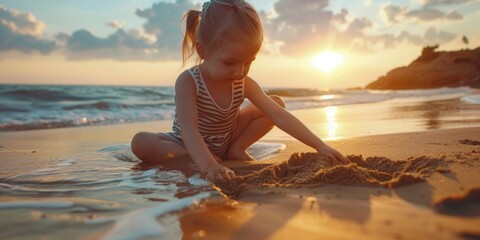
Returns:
(236, 154)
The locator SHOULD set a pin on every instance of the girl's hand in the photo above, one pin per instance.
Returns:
(219, 172)
(332, 153)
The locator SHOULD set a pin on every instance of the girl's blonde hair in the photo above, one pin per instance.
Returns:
(219, 21)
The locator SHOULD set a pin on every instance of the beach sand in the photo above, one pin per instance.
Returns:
(344, 211)
(444, 204)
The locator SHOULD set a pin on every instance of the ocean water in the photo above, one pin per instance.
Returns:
(106, 193)
(28, 107)
(95, 192)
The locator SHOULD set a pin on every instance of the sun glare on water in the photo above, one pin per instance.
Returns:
(327, 61)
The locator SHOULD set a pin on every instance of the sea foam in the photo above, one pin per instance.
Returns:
(142, 222)
(36, 204)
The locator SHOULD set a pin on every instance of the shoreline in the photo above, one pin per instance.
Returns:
(36, 147)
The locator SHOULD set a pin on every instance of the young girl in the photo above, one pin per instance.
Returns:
(209, 124)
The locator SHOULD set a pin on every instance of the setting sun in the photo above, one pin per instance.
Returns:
(327, 61)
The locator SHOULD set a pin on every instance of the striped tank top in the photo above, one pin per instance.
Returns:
(215, 124)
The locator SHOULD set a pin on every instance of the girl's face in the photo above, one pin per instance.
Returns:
(230, 61)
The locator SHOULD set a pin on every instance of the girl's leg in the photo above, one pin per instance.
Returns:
(154, 148)
(252, 125)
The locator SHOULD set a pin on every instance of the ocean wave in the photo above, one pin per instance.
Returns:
(473, 99)
(301, 92)
(28, 107)
(160, 92)
(43, 95)
(5, 109)
(100, 105)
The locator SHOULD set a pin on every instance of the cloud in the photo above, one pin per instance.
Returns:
(117, 24)
(302, 29)
(158, 39)
(292, 29)
(341, 18)
(20, 22)
(368, 43)
(430, 37)
(393, 14)
(163, 21)
(300, 25)
(430, 3)
(433, 36)
(430, 14)
(23, 32)
(121, 45)
(358, 27)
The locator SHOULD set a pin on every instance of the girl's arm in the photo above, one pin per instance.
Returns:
(186, 105)
(286, 121)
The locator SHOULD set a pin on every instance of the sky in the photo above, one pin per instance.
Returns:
(120, 42)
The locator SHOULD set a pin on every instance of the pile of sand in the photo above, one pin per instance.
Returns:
(307, 169)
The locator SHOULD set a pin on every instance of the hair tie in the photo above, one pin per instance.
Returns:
(235, 6)
(205, 6)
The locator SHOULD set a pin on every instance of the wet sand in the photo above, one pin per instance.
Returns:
(325, 201)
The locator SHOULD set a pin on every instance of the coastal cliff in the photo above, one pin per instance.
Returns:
(433, 70)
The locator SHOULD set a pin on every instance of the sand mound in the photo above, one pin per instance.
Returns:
(467, 204)
(307, 169)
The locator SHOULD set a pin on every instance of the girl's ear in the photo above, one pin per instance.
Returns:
(200, 50)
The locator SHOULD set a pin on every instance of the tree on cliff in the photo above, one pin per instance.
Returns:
(428, 54)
